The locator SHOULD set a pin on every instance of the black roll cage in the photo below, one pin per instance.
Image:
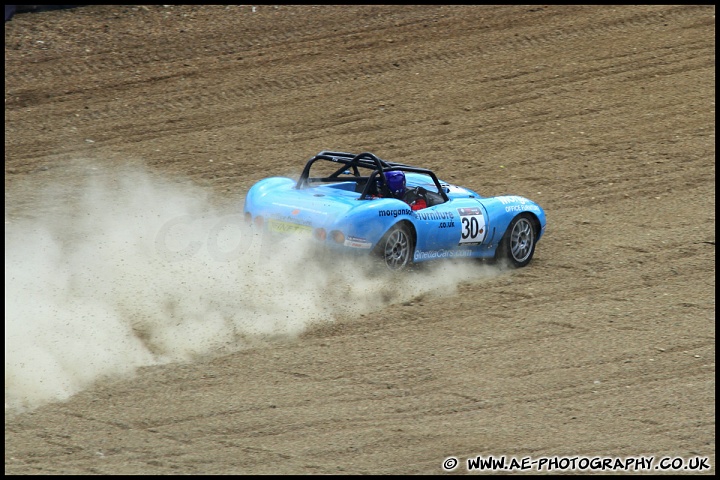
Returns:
(366, 161)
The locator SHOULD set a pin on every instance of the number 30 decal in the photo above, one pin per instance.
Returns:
(473, 229)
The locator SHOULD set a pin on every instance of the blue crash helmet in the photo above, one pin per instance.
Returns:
(396, 183)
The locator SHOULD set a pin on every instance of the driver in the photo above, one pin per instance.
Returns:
(395, 181)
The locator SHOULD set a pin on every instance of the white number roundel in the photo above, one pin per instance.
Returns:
(472, 229)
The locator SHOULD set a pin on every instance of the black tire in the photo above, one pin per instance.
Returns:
(518, 244)
(396, 248)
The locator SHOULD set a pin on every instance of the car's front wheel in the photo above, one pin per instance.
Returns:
(396, 248)
(518, 244)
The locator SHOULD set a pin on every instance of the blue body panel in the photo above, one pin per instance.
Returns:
(467, 225)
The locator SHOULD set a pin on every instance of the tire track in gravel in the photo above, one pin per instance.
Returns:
(95, 64)
(148, 54)
(231, 94)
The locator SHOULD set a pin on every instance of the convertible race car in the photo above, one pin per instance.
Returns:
(397, 213)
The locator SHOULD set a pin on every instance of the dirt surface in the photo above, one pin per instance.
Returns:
(604, 346)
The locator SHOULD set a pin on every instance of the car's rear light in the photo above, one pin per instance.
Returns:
(248, 218)
(320, 234)
(338, 236)
(258, 221)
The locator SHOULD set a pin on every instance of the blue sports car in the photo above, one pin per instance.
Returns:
(395, 212)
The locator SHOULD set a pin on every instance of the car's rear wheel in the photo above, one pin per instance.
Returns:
(396, 248)
(518, 244)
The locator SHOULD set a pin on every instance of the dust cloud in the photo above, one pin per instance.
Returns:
(128, 269)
